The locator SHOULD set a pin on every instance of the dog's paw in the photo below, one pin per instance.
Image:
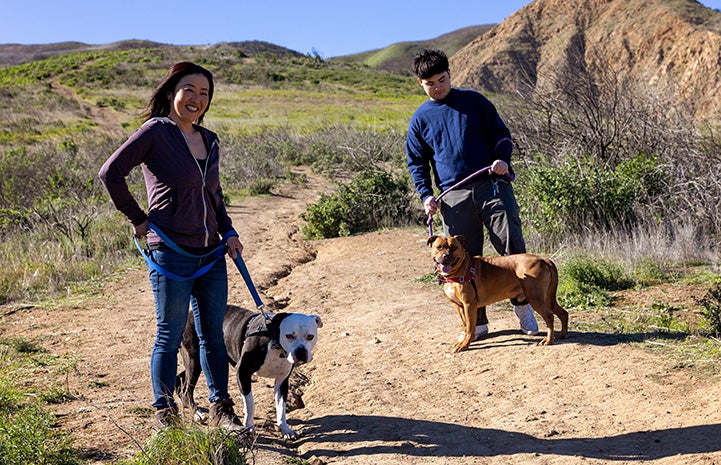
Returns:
(288, 433)
(460, 346)
(200, 415)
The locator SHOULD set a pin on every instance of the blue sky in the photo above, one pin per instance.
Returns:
(328, 27)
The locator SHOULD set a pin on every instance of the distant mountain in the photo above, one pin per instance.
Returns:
(398, 58)
(672, 45)
(14, 54)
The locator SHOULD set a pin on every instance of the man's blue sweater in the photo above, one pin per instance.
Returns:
(455, 137)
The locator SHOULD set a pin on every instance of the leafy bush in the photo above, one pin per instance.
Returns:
(601, 273)
(372, 200)
(581, 196)
(711, 303)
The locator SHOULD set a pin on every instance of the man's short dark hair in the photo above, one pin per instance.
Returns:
(429, 62)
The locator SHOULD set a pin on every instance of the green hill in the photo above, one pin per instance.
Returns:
(398, 57)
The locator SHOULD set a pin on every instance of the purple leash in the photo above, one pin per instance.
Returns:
(508, 176)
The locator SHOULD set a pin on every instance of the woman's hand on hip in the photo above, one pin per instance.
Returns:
(141, 230)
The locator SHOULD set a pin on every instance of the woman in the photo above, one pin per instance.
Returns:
(179, 160)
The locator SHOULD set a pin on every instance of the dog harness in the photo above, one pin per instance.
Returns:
(261, 325)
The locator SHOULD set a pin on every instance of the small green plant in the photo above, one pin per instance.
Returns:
(27, 434)
(666, 317)
(23, 346)
(586, 283)
(711, 303)
(184, 445)
(55, 395)
(95, 384)
(428, 278)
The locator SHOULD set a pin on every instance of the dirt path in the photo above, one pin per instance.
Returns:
(103, 116)
(384, 387)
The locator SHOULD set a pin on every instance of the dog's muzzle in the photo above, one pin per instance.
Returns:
(299, 355)
(448, 261)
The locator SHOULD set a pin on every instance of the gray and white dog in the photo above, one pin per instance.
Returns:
(266, 344)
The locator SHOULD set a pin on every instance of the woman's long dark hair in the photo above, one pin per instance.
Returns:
(159, 104)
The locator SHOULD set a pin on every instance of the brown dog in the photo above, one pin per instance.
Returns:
(473, 282)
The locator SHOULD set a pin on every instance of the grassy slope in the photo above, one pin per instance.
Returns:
(398, 57)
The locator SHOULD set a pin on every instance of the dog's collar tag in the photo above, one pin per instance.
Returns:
(462, 279)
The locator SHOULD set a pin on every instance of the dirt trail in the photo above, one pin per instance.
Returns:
(384, 387)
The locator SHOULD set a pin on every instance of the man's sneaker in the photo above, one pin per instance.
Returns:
(167, 418)
(223, 416)
(529, 325)
(481, 330)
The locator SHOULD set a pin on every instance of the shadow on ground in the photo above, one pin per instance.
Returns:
(364, 436)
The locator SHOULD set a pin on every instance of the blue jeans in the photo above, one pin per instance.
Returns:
(207, 296)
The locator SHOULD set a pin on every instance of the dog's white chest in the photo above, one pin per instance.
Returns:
(448, 290)
(275, 365)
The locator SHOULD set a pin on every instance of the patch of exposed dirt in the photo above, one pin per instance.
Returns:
(384, 387)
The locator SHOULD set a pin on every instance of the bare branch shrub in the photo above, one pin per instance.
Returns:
(586, 118)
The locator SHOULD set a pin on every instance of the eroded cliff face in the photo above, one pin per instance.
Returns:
(670, 46)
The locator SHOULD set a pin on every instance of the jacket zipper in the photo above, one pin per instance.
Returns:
(202, 176)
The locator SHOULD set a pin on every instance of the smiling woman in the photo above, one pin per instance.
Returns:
(185, 222)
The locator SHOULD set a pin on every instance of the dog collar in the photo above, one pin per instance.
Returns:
(462, 279)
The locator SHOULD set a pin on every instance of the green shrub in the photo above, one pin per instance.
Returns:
(711, 303)
(372, 200)
(585, 282)
(584, 195)
(600, 273)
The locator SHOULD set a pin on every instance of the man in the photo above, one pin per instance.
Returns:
(456, 133)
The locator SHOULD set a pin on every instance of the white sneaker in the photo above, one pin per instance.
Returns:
(481, 330)
(529, 325)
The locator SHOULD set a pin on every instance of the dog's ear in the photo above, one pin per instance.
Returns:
(431, 240)
(318, 321)
(462, 240)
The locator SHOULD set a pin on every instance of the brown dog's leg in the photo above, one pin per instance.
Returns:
(562, 315)
(547, 316)
(468, 314)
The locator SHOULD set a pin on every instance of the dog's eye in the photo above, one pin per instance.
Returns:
(309, 337)
(290, 337)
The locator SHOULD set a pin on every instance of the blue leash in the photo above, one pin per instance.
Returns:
(218, 252)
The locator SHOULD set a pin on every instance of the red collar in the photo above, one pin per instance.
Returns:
(462, 279)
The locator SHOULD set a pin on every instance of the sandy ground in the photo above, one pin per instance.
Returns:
(384, 387)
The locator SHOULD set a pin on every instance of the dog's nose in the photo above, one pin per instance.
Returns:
(300, 355)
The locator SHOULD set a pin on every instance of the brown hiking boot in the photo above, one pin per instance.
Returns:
(166, 418)
(223, 416)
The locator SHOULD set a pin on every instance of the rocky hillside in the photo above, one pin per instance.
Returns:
(670, 45)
